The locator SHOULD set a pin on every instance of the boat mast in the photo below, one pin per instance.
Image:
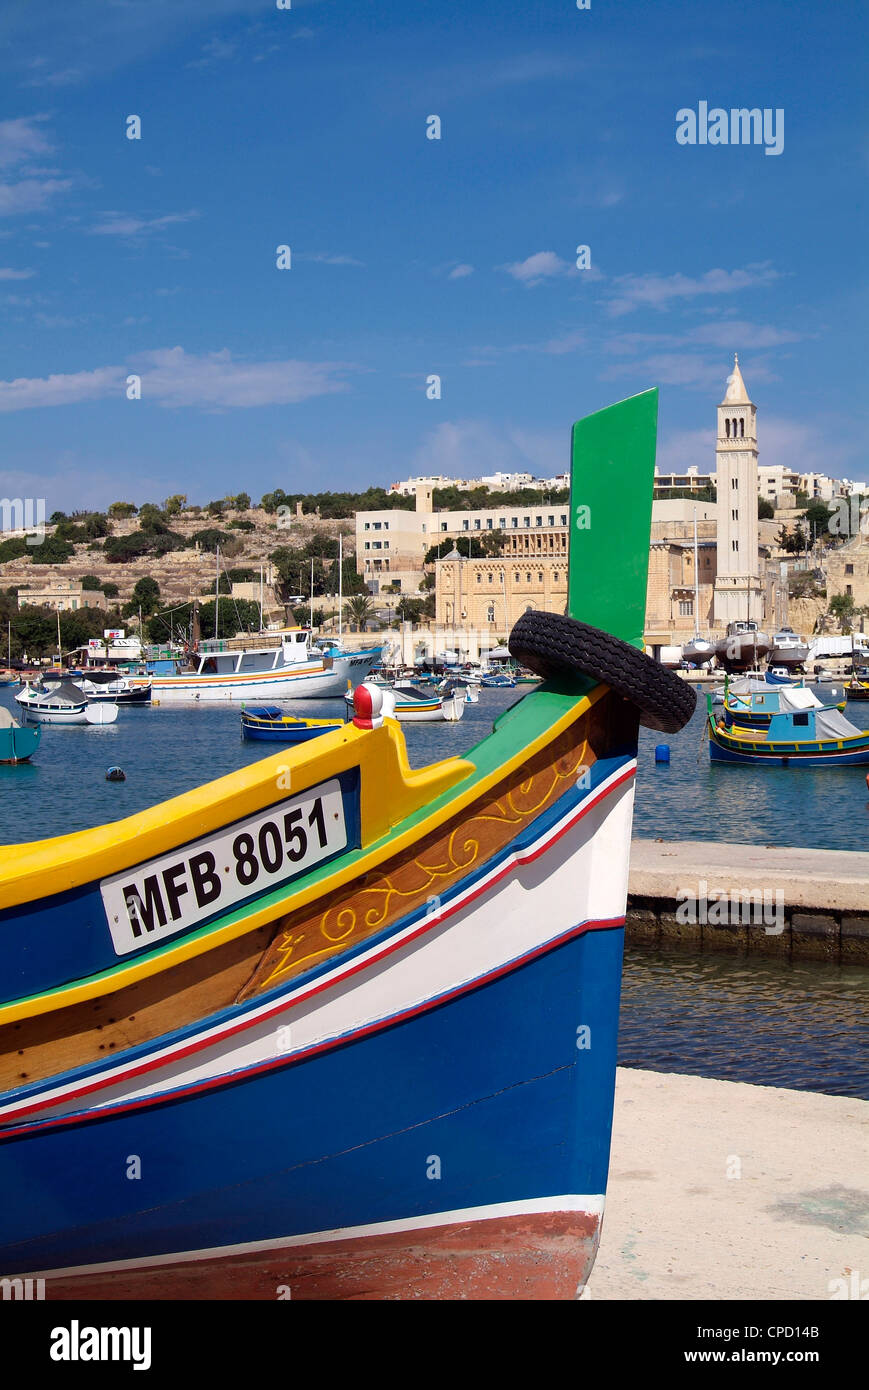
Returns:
(340, 586)
(696, 586)
(59, 651)
(312, 593)
(9, 642)
(217, 592)
(260, 595)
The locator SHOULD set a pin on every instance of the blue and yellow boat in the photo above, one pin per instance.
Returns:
(784, 728)
(338, 1026)
(271, 725)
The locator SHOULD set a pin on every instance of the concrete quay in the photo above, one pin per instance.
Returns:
(765, 899)
(722, 1190)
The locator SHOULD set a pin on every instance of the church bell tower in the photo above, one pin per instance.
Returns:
(738, 584)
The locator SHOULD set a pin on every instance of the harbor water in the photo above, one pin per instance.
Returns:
(762, 1021)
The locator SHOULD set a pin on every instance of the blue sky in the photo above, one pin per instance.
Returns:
(410, 256)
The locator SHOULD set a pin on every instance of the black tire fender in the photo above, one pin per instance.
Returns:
(553, 645)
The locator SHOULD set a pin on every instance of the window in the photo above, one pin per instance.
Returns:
(727, 429)
(375, 545)
(514, 521)
(528, 579)
(686, 608)
(443, 525)
(540, 579)
(377, 525)
(734, 482)
(503, 522)
(490, 578)
(849, 569)
(466, 526)
(742, 429)
(386, 545)
(478, 525)
(734, 514)
(368, 525)
(538, 521)
(386, 525)
(479, 579)
(367, 545)
(516, 577)
(734, 545)
(801, 718)
(527, 521)
(550, 521)
(490, 613)
(847, 588)
(488, 523)
(564, 518)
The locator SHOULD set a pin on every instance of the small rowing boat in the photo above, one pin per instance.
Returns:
(269, 724)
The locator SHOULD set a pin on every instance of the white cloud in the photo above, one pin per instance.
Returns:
(29, 195)
(7, 273)
(177, 378)
(119, 225)
(460, 272)
(22, 139)
(64, 77)
(543, 265)
(659, 291)
(28, 393)
(171, 378)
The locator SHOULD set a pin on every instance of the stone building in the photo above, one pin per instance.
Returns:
(848, 570)
(494, 593)
(62, 595)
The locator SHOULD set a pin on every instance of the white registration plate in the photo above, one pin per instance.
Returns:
(208, 876)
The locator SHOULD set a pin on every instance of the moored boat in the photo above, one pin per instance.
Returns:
(410, 705)
(361, 1033)
(268, 723)
(796, 731)
(17, 742)
(62, 703)
(858, 686)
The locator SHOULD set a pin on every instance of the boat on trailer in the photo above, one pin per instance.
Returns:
(358, 1020)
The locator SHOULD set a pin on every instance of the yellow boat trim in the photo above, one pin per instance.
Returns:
(388, 752)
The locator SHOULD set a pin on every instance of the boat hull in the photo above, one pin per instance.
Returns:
(819, 753)
(19, 744)
(312, 681)
(386, 1152)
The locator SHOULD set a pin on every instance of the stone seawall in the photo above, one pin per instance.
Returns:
(765, 900)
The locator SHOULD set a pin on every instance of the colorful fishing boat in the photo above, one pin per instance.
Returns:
(335, 1027)
(253, 669)
(17, 743)
(800, 731)
(270, 724)
(756, 703)
(858, 686)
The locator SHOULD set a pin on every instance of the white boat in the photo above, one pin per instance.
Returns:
(788, 649)
(409, 705)
(234, 670)
(64, 703)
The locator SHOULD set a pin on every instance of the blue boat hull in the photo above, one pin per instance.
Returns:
(484, 1100)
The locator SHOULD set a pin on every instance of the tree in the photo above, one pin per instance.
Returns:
(783, 538)
(843, 610)
(122, 510)
(13, 549)
(800, 539)
(152, 520)
(239, 503)
(236, 616)
(211, 538)
(51, 552)
(175, 503)
(240, 523)
(146, 595)
(110, 590)
(215, 508)
(765, 509)
(409, 610)
(358, 611)
(469, 547)
(91, 581)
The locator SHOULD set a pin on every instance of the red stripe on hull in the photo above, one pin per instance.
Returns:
(542, 1255)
